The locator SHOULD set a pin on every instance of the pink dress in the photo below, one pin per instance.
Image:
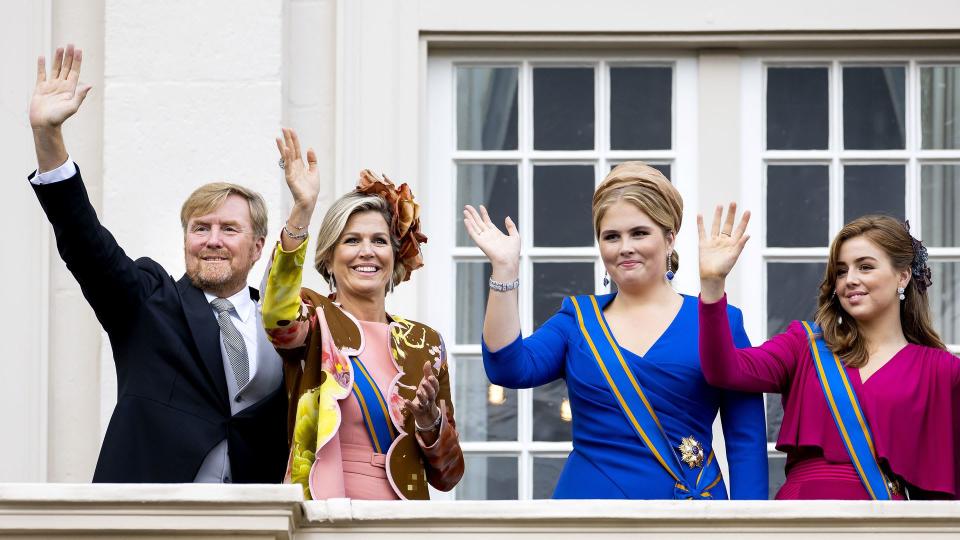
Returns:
(912, 405)
(364, 471)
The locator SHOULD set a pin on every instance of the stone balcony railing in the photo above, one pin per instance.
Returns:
(279, 512)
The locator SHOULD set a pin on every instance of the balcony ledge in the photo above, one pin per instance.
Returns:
(278, 511)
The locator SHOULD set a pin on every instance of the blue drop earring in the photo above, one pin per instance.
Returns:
(669, 275)
(606, 280)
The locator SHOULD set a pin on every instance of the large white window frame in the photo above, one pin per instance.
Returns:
(441, 157)
(755, 158)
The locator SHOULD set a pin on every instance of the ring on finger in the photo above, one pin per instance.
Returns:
(282, 163)
(725, 233)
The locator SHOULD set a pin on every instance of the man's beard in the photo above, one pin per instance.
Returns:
(217, 279)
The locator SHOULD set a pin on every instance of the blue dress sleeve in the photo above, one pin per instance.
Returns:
(535, 360)
(744, 431)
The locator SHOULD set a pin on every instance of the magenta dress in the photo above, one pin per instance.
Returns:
(912, 405)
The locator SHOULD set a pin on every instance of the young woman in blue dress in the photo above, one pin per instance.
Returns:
(642, 411)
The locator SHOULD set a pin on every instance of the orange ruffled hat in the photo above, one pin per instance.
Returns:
(406, 217)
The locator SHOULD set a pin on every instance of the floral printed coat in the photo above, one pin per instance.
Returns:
(316, 338)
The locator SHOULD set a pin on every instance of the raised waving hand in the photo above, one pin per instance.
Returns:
(720, 249)
(503, 250)
(303, 180)
(55, 98)
(501, 324)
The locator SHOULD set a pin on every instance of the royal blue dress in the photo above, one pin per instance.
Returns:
(609, 460)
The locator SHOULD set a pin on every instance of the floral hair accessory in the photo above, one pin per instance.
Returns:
(406, 217)
(919, 269)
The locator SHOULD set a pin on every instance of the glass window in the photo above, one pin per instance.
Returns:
(471, 295)
(940, 201)
(792, 290)
(492, 185)
(940, 107)
(554, 281)
(873, 189)
(799, 197)
(944, 297)
(484, 411)
(797, 108)
(640, 115)
(563, 116)
(560, 193)
(488, 477)
(546, 472)
(874, 105)
(487, 108)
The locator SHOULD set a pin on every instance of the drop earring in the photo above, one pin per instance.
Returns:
(900, 294)
(606, 280)
(669, 275)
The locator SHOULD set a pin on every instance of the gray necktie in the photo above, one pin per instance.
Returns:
(233, 342)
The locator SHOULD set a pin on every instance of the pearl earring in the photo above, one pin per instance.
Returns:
(900, 294)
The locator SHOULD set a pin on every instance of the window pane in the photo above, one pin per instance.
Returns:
(563, 114)
(562, 195)
(546, 471)
(940, 106)
(774, 405)
(486, 108)
(792, 290)
(775, 465)
(494, 186)
(662, 167)
(798, 209)
(551, 412)
(487, 477)
(484, 411)
(873, 107)
(641, 104)
(873, 189)
(552, 282)
(944, 297)
(797, 109)
(939, 200)
(472, 291)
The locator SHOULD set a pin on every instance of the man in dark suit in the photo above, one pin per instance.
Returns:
(199, 387)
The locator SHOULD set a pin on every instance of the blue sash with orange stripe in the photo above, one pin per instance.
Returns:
(635, 406)
(376, 416)
(847, 414)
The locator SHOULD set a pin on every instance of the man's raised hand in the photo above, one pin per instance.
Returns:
(57, 97)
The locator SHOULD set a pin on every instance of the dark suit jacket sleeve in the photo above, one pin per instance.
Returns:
(112, 282)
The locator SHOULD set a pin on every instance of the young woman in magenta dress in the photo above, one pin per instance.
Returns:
(871, 397)
(642, 411)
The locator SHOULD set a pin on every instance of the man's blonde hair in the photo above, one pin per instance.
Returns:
(209, 197)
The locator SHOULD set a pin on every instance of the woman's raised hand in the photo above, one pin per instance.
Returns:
(303, 178)
(720, 249)
(503, 250)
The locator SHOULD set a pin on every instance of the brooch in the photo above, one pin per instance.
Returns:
(691, 452)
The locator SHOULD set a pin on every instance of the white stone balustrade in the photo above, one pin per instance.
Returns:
(279, 512)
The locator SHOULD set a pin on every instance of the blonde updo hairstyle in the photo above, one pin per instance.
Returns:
(335, 221)
(647, 189)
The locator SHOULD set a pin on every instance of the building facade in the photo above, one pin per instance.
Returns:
(806, 114)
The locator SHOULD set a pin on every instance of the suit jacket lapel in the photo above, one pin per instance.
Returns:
(206, 335)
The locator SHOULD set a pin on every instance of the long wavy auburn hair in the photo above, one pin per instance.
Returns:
(845, 338)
